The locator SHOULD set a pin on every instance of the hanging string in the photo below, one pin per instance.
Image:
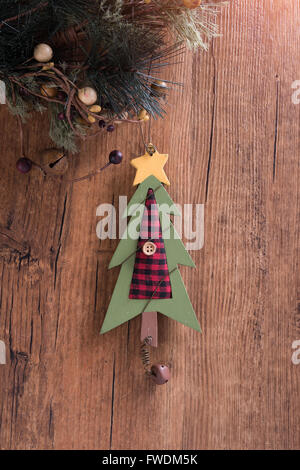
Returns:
(149, 129)
(21, 135)
(142, 134)
(81, 178)
(150, 148)
(20, 124)
(150, 119)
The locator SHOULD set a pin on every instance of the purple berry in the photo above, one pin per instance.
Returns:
(61, 116)
(115, 157)
(24, 92)
(102, 124)
(24, 165)
(110, 128)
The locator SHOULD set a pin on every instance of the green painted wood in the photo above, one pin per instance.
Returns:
(121, 308)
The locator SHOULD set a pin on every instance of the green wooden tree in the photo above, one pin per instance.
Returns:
(121, 307)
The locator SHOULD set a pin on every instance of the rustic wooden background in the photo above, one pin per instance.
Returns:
(233, 139)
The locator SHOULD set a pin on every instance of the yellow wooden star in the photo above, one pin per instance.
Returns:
(147, 165)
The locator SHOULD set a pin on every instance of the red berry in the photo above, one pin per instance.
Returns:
(24, 165)
(115, 157)
(110, 128)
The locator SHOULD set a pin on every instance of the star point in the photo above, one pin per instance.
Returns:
(147, 165)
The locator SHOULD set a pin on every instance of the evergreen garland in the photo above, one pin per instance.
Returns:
(117, 47)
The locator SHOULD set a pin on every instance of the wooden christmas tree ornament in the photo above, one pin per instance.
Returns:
(149, 281)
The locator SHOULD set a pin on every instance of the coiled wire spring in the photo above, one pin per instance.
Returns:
(145, 355)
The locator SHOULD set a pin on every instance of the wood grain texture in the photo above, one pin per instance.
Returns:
(233, 141)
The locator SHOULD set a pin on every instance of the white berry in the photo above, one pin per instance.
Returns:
(43, 53)
(87, 95)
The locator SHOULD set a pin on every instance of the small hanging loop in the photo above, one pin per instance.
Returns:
(151, 149)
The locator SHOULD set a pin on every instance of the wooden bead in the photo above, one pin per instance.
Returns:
(87, 95)
(160, 374)
(95, 108)
(43, 53)
(191, 3)
(48, 91)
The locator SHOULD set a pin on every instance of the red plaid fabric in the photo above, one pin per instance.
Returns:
(151, 273)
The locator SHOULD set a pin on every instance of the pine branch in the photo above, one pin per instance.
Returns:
(119, 47)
